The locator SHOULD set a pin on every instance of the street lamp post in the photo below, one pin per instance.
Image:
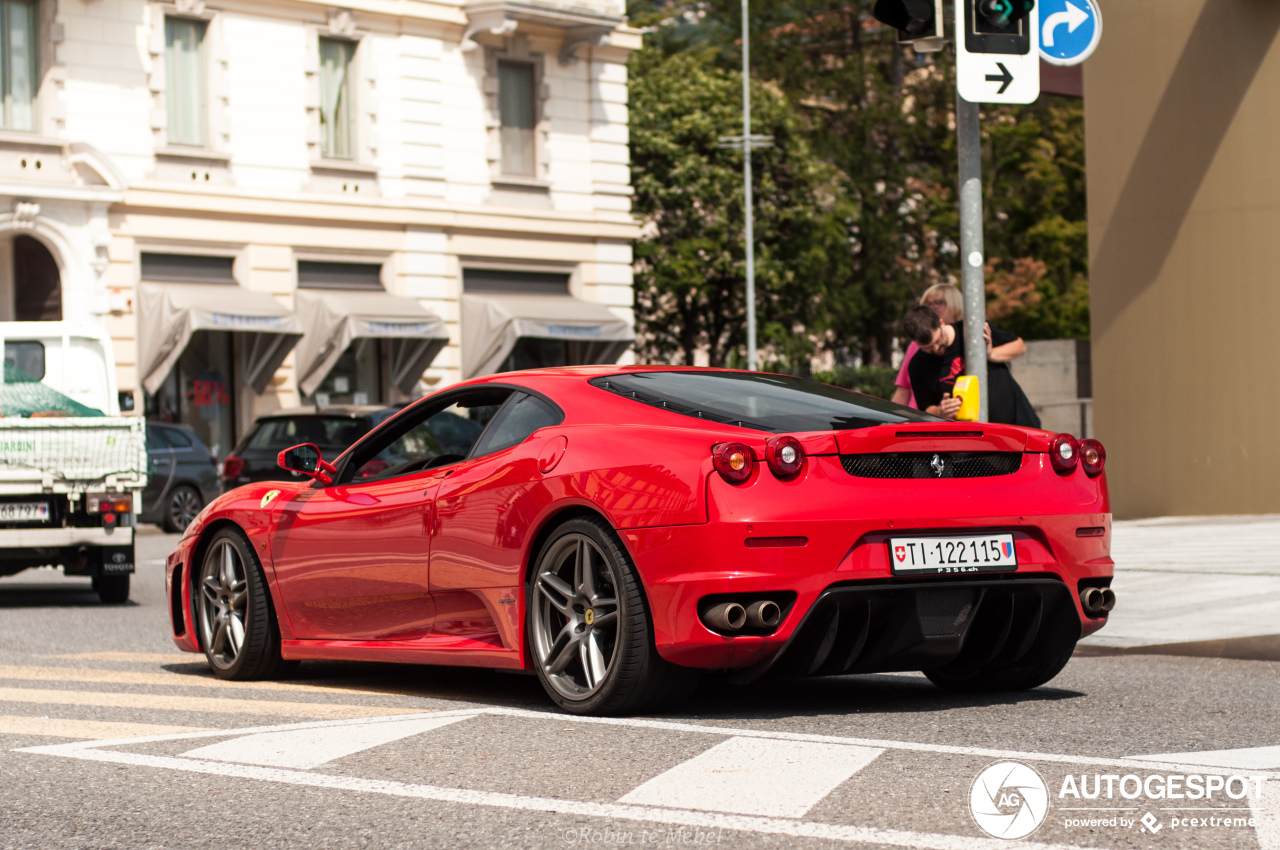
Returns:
(747, 142)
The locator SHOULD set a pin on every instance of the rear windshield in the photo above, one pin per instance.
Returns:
(776, 403)
(332, 432)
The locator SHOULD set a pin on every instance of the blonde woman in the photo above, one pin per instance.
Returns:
(948, 302)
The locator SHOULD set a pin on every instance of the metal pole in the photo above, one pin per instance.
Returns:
(969, 140)
(746, 178)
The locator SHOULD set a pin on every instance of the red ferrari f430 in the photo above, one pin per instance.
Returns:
(623, 530)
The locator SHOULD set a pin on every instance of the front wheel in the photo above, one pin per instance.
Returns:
(589, 627)
(183, 505)
(238, 628)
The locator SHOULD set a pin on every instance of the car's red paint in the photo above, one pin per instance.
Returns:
(430, 567)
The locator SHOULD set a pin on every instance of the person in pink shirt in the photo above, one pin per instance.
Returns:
(948, 302)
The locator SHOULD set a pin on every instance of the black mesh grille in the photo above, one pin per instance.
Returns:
(932, 464)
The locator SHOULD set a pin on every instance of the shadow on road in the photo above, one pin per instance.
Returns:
(868, 694)
(53, 596)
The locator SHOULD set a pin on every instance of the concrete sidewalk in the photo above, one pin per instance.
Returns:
(1205, 586)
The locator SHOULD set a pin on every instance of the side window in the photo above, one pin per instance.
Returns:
(176, 437)
(445, 435)
(155, 439)
(524, 415)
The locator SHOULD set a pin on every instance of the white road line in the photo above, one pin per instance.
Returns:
(755, 776)
(607, 811)
(1249, 758)
(908, 746)
(304, 749)
(1266, 811)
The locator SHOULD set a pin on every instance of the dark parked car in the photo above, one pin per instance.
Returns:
(184, 476)
(332, 429)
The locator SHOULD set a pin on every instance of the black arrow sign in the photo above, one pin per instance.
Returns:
(1003, 77)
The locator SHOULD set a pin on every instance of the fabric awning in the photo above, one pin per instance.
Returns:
(169, 313)
(491, 324)
(335, 319)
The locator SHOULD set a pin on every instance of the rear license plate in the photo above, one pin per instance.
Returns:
(24, 512)
(953, 554)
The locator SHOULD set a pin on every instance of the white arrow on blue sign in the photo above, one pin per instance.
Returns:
(1069, 30)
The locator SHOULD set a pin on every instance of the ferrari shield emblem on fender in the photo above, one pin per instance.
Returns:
(266, 499)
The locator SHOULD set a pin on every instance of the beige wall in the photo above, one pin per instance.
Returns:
(1182, 115)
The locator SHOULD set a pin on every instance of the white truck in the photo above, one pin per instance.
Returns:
(72, 469)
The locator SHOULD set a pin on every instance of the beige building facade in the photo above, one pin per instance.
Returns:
(1182, 117)
(327, 176)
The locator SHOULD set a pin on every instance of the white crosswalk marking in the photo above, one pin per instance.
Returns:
(304, 749)
(1266, 811)
(1248, 758)
(755, 776)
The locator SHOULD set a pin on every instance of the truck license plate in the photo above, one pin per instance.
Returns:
(953, 554)
(24, 512)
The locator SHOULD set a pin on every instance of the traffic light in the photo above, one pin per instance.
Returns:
(998, 26)
(918, 22)
(997, 50)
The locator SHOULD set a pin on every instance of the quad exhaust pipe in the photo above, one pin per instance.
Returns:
(1097, 601)
(734, 617)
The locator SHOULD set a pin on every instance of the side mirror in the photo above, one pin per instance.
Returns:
(306, 460)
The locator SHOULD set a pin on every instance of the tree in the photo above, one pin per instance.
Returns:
(879, 120)
(690, 264)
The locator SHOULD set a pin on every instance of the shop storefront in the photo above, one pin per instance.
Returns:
(362, 344)
(528, 320)
(203, 349)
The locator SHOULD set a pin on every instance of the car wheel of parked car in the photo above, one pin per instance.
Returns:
(238, 628)
(113, 590)
(180, 511)
(589, 627)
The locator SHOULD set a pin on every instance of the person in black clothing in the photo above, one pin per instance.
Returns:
(940, 361)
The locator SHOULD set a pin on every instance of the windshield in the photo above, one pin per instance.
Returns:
(777, 403)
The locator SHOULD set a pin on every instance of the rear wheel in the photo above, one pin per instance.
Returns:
(238, 627)
(113, 590)
(1035, 672)
(589, 627)
(181, 508)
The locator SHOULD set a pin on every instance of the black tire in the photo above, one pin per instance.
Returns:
(1033, 673)
(238, 592)
(112, 590)
(636, 677)
(178, 512)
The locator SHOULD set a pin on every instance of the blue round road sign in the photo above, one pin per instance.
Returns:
(1069, 30)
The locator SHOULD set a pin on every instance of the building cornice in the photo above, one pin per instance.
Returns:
(378, 213)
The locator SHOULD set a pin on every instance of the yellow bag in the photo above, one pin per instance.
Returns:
(966, 390)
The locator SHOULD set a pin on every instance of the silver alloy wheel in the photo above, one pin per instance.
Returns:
(224, 596)
(184, 505)
(575, 616)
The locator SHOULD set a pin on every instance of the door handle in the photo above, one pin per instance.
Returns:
(163, 462)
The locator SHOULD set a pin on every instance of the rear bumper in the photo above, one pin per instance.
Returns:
(59, 538)
(846, 563)
(877, 627)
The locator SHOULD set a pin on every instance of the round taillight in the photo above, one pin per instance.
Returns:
(734, 462)
(1093, 457)
(785, 456)
(1064, 452)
